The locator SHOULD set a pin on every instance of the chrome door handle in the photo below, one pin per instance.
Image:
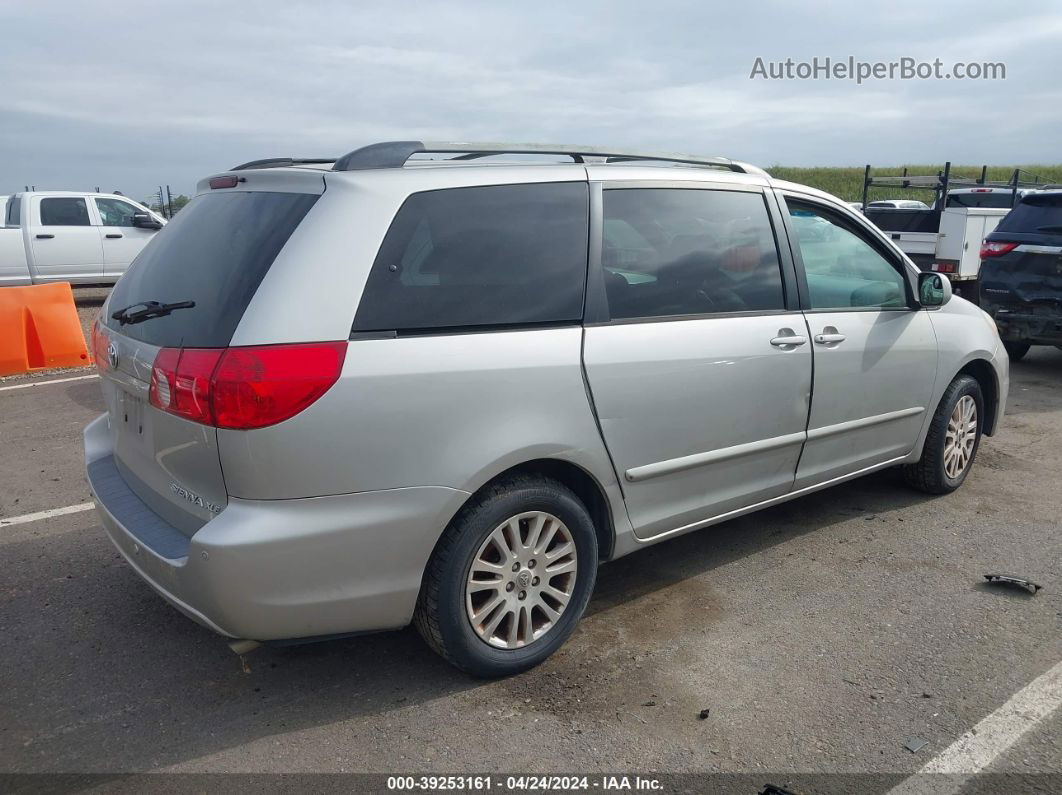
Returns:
(827, 339)
(788, 342)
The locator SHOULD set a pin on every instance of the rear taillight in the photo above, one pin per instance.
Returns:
(99, 346)
(244, 388)
(945, 267)
(991, 248)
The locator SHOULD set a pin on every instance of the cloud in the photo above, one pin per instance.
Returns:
(91, 96)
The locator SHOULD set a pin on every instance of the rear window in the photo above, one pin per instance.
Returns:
(994, 199)
(1036, 214)
(500, 255)
(214, 252)
(14, 210)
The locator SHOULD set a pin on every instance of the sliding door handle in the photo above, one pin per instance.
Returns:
(792, 341)
(45, 237)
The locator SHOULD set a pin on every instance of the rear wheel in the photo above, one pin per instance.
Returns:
(510, 577)
(1016, 350)
(953, 438)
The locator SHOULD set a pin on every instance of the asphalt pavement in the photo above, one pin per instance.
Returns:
(822, 636)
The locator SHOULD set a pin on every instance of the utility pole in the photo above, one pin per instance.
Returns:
(162, 203)
(169, 200)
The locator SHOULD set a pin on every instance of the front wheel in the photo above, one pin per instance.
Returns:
(1016, 350)
(952, 441)
(510, 577)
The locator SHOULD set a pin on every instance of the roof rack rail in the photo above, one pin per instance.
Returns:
(394, 154)
(282, 162)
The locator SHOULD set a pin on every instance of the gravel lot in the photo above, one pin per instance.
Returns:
(822, 635)
(89, 300)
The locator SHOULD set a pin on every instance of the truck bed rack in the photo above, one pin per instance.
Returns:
(943, 181)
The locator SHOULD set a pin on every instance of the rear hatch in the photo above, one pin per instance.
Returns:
(208, 262)
(1021, 265)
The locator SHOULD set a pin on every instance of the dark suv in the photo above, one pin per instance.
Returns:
(1021, 274)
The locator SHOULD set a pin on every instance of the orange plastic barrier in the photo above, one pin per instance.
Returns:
(39, 328)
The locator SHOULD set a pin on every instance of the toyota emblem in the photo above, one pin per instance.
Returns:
(112, 355)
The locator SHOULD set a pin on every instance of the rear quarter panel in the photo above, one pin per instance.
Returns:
(448, 410)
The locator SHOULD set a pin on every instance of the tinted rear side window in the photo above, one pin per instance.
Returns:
(500, 255)
(14, 210)
(668, 252)
(1035, 215)
(214, 252)
(64, 212)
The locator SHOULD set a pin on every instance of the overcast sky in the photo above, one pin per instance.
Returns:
(131, 95)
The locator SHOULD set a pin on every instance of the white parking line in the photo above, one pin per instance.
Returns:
(989, 739)
(33, 517)
(45, 383)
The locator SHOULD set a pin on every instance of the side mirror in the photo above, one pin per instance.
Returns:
(145, 221)
(934, 289)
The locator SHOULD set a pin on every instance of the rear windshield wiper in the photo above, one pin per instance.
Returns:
(150, 309)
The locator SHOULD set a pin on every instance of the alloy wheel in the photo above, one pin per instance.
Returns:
(521, 580)
(961, 437)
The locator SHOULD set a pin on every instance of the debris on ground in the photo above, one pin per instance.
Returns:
(1013, 581)
(915, 744)
(703, 714)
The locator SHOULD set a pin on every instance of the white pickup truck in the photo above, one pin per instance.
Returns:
(946, 237)
(62, 236)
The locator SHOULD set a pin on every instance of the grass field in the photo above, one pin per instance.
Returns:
(847, 183)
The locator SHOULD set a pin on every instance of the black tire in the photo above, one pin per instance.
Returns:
(441, 617)
(1016, 350)
(928, 474)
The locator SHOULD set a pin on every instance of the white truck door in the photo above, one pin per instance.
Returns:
(65, 245)
(121, 240)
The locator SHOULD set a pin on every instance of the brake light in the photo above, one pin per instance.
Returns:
(229, 181)
(945, 267)
(244, 388)
(992, 248)
(99, 347)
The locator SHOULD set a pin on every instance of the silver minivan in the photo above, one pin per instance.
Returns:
(442, 383)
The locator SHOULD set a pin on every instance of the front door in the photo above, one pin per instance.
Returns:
(875, 353)
(121, 240)
(700, 373)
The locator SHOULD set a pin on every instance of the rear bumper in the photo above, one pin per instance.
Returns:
(1019, 326)
(279, 569)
